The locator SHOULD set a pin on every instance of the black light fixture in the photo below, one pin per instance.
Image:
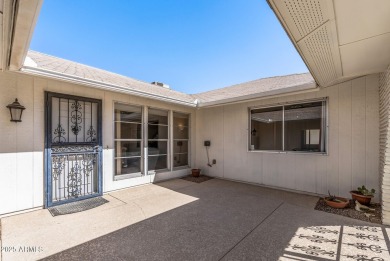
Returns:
(16, 110)
(254, 132)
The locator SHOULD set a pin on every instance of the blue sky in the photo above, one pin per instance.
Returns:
(192, 45)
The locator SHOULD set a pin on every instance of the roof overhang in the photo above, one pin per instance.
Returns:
(340, 39)
(297, 89)
(18, 19)
(31, 69)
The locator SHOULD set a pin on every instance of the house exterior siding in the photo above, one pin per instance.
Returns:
(22, 144)
(384, 112)
(353, 143)
(352, 157)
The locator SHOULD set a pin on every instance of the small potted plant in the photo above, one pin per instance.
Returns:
(363, 195)
(195, 172)
(336, 202)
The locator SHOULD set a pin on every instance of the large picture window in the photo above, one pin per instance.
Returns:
(297, 127)
(149, 139)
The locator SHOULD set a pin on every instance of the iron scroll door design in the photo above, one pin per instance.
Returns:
(73, 145)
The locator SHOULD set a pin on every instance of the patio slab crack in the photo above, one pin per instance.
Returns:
(250, 232)
(143, 213)
(117, 198)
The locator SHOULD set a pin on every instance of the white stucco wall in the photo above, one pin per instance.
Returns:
(22, 144)
(353, 144)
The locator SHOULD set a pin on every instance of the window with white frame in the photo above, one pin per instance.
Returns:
(158, 133)
(158, 130)
(180, 139)
(299, 127)
(128, 139)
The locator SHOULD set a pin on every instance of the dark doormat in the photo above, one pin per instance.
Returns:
(78, 206)
(349, 211)
(199, 179)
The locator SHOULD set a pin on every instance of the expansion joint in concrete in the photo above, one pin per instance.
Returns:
(250, 232)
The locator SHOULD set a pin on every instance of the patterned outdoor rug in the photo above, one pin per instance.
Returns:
(199, 179)
(78, 206)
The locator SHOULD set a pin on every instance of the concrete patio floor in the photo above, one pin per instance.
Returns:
(181, 220)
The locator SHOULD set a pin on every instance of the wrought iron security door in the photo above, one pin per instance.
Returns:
(73, 148)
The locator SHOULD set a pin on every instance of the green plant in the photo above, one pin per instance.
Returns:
(364, 191)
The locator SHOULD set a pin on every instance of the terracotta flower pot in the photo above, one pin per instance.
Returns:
(362, 199)
(344, 202)
(195, 172)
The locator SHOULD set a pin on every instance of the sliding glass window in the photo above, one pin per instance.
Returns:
(266, 128)
(299, 127)
(157, 139)
(128, 139)
(180, 139)
(303, 124)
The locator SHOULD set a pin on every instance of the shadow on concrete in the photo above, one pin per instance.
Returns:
(234, 221)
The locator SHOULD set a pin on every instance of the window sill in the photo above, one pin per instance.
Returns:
(181, 168)
(127, 176)
(289, 152)
(154, 172)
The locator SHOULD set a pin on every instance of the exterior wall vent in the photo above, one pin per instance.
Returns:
(161, 84)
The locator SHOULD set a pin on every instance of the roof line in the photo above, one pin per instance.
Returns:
(270, 77)
(302, 88)
(191, 100)
(100, 85)
(92, 67)
(195, 103)
(141, 81)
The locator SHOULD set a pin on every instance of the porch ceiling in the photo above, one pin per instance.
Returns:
(340, 39)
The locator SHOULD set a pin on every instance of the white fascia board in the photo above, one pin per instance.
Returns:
(26, 18)
(95, 84)
(268, 94)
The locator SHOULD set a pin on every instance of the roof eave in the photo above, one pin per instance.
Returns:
(289, 35)
(312, 86)
(25, 16)
(99, 85)
(335, 41)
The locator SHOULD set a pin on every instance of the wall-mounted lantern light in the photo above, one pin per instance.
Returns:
(16, 110)
(254, 132)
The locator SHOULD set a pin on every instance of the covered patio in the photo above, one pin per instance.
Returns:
(178, 219)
